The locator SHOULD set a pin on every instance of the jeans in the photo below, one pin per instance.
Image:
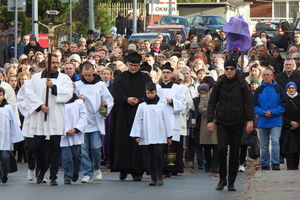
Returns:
(264, 134)
(71, 159)
(91, 153)
(4, 163)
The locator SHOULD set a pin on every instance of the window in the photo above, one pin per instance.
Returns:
(280, 9)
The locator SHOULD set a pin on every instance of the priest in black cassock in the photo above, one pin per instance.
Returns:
(128, 91)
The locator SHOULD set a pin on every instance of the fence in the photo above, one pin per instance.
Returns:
(115, 8)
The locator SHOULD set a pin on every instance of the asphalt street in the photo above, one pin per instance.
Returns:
(194, 184)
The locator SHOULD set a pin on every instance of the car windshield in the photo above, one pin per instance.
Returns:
(268, 26)
(151, 38)
(173, 21)
(213, 20)
(172, 31)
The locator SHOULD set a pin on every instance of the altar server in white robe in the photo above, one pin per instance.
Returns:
(172, 94)
(152, 127)
(95, 96)
(10, 97)
(9, 133)
(47, 134)
(75, 124)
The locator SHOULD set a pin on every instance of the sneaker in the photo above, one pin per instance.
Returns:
(242, 168)
(86, 179)
(30, 175)
(98, 175)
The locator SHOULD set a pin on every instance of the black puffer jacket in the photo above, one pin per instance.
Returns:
(230, 101)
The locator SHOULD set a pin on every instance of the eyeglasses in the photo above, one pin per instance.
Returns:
(296, 58)
(291, 88)
(133, 65)
(229, 69)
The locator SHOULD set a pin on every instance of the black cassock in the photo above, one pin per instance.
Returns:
(126, 154)
(290, 139)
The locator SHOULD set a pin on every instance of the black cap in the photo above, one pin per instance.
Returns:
(145, 67)
(32, 38)
(231, 63)
(133, 57)
(167, 66)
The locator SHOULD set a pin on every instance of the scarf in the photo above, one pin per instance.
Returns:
(292, 96)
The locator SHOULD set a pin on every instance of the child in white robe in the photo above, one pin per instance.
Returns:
(75, 124)
(10, 133)
(152, 127)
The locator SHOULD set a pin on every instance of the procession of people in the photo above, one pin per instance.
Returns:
(147, 108)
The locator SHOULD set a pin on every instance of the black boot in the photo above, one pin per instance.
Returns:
(221, 185)
(153, 180)
(231, 188)
(159, 180)
(123, 176)
(53, 182)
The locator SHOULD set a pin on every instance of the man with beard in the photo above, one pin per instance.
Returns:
(128, 91)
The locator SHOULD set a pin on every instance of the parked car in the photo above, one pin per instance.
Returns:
(296, 25)
(171, 29)
(148, 36)
(174, 20)
(202, 25)
(279, 32)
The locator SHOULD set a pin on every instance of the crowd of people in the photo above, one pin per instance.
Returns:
(147, 107)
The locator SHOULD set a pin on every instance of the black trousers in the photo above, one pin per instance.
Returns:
(211, 155)
(229, 135)
(292, 161)
(48, 154)
(156, 158)
(30, 152)
(243, 154)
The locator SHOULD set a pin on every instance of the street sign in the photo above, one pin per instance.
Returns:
(68, 1)
(52, 12)
(21, 5)
(162, 9)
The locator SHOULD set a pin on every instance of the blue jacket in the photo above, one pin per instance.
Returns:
(270, 97)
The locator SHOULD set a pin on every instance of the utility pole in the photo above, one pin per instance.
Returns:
(134, 16)
(35, 27)
(16, 28)
(170, 7)
(70, 20)
(91, 15)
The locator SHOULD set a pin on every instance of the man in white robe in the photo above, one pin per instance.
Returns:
(47, 134)
(95, 95)
(173, 94)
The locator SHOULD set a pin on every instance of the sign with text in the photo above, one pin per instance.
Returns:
(162, 9)
(21, 5)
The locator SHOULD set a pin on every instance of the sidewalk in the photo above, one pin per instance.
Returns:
(272, 185)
